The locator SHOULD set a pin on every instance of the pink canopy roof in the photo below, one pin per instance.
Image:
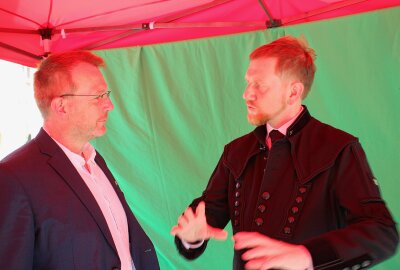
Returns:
(31, 29)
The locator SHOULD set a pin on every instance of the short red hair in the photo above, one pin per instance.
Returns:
(294, 59)
(53, 77)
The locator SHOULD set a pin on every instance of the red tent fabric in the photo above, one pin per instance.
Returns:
(31, 29)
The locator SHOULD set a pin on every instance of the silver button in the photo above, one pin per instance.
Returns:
(366, 263)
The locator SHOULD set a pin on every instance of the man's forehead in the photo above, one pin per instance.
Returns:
(260, 65)
(263, 60)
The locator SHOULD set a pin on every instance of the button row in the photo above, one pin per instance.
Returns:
(288, 229)
(236, 213)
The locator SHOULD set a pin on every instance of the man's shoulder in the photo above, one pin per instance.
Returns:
(248, 139)
(324, 131)
(317, 147)
(21, 154)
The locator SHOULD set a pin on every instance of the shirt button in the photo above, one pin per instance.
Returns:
(261, 208)
(236, 222)
(259, 221)
(356, 267)
(237, 203)
(299, 199)
(237, 185)
(236, 212)
(291, 219)
(295, 210)
(266, 195)
(237, 194)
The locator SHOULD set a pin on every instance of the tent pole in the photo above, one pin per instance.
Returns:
(165, 20)
(271, 22)
(17, 50)
(331, 7)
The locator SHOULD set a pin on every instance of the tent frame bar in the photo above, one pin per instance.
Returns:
(168, 23)
(165, 20)
(17, 50)
(315, 12)
(271, 22)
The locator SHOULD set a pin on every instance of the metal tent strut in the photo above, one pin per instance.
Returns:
(271, 22)
(165, 20)
(47, 32)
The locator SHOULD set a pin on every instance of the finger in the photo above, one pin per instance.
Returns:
(182, 220)
(250, 240)
(217, 234)
(175, 229)
(259, 263)
(256, 252)
(241, 236)
(273, 262)
(189, 214)
(201, 209)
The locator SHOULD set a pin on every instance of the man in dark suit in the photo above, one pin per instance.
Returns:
(60, 206)
(298, 193)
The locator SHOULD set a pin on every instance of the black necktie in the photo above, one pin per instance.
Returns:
(275, 135)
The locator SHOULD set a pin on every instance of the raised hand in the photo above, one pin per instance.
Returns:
(267, 253)
(193, 227)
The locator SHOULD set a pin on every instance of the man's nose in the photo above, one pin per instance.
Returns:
(108, 105)
(248, 93)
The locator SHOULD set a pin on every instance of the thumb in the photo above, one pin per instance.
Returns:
(218, 234)
(201, 209)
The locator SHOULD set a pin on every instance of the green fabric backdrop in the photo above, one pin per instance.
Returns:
(178, 104)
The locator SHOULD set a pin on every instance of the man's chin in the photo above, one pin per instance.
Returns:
(100, 131)
(256, 121)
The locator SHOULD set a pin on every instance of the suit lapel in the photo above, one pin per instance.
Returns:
(128, 212)
(60, 163)
(133, 225)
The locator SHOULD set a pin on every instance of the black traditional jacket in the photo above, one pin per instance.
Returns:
(314, 187)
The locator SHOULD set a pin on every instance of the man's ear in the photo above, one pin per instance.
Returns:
(58, 105)
(296, 92)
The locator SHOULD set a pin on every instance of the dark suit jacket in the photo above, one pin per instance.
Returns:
(49, 219)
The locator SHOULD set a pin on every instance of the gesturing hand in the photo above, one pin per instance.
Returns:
(193, 227)
(266, 253)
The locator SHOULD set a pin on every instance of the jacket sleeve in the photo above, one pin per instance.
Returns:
(369, 234)
(215, 197)
(16, 224)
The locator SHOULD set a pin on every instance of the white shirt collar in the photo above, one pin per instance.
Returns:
(88, 154)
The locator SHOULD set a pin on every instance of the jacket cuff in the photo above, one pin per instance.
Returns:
(322, 253)
(191, 253)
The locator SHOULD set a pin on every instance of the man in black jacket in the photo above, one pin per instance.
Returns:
(299, 193)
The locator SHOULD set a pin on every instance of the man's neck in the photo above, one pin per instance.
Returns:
(61, 135)
(286, 117)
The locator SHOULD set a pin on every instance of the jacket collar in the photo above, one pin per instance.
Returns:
(261, 131)
(60, 163)
(314, 146)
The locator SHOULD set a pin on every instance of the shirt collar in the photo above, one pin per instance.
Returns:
(283, 129)
(88, 154)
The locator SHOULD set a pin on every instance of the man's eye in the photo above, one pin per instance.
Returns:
(100, 96)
